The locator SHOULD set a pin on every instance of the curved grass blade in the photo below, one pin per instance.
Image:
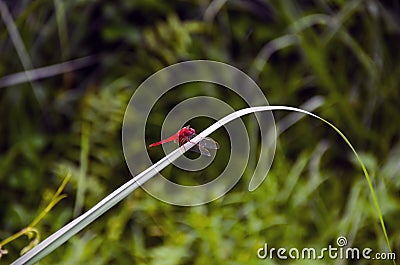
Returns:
(66, 232)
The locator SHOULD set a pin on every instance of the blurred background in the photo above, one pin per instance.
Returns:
(338, 58)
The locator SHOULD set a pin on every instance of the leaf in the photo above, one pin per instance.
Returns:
(70, 229)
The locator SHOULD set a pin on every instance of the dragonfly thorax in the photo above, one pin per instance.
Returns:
(187, 132)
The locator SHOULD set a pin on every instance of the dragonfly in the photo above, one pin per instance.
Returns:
(184, 135)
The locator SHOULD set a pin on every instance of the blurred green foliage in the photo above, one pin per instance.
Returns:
(345, 51)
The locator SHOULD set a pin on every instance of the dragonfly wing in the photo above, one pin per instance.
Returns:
(208, 143)
(200, 150)
(204, 151)
(202, 147)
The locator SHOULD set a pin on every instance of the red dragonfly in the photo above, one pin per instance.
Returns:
(184, 135)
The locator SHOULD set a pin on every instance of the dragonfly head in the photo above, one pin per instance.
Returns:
(187, 131)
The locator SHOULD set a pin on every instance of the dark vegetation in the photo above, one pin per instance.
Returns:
(345, 51)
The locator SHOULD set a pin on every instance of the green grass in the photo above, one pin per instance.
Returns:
(345, 51)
